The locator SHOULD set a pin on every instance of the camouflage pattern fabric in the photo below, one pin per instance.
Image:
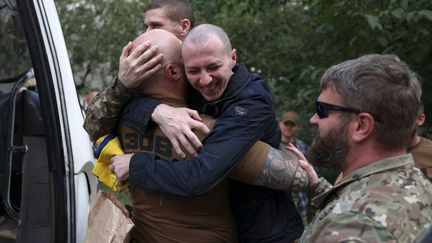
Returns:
(387, 201)
(104, 111)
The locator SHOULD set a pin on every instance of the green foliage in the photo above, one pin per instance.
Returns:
(95, 33)
(291, 43)
(347, 29)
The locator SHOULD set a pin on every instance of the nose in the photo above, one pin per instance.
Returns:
(314, 119)
(205, 78)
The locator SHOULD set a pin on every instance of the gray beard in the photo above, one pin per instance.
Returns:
(331, 150)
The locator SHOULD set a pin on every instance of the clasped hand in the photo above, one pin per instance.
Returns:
(177, 125)
(119, 164)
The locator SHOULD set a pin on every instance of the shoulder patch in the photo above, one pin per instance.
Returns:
(240, 111)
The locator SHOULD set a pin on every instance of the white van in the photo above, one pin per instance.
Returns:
(45, 155)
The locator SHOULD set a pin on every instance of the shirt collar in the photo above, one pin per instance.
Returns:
(373, 168)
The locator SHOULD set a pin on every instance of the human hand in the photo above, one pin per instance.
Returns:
(312, 175)
(177, 125)
(137, 63)
(119, 165)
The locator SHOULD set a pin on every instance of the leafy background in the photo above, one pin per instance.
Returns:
(290, 43)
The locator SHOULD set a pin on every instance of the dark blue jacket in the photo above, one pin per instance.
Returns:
(245, 114)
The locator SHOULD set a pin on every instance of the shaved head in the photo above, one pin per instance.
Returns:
(168, 44)
(201, 34)
(169, 81)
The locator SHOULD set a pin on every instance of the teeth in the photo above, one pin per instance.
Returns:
(209, 88)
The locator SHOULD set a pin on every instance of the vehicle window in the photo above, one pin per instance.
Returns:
(14, 57)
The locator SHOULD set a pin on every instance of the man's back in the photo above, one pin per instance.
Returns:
(163, 217)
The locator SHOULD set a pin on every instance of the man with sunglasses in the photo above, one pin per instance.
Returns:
(365, 114)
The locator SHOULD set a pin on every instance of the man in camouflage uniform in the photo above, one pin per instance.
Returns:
(136, 65)
(366, 113)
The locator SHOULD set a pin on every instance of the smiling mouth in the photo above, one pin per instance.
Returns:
(209, 88)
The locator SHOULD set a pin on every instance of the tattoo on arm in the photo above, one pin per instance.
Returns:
(282, 172)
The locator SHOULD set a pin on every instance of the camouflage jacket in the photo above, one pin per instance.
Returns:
(104, 111)
(386, 201)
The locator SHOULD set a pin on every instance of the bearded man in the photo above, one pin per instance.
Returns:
(365, 115)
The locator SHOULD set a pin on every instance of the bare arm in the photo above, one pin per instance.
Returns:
(282, 172)
(266, 166)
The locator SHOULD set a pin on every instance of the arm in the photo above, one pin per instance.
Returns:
(103, 112)
(272, 168)
(228, 142)
(263, 165)
(135, 66)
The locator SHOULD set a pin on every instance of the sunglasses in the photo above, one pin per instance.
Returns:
(322, 109)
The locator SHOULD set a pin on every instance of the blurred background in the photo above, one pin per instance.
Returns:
(290, 43)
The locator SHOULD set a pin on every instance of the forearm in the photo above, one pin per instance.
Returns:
(191, 177)
(183, 178)
(320, 186)
(103, 113)
(282, 172)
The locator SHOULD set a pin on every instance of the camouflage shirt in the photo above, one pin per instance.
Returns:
(103, 112)
(386, 201)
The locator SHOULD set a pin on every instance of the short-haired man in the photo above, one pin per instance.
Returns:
(163, 217)
(289, 124)
(365, 114)
(243, 106)
(136, 64)
(175, 16)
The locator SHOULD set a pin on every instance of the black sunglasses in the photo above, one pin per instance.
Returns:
(322, 109)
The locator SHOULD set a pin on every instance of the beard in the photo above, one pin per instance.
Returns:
(330, 151)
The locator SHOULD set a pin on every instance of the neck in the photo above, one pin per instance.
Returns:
(415, 140)
(165, 90)
(361, 157)
(287, 140)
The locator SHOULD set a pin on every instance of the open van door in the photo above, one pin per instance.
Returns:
(45, 155)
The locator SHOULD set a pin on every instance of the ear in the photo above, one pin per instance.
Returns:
(185, 27)
(233, 58)
(363, 127)
(172, 71)
(421, 119)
